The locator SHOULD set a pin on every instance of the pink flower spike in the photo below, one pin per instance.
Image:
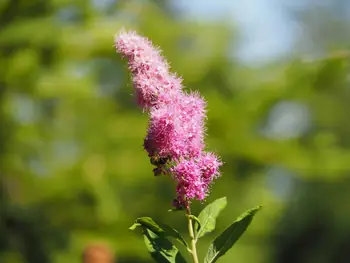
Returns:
(209, 164)
(192, 117)
(190, 184)
(176, 128)
(149, 70)
(162, 137)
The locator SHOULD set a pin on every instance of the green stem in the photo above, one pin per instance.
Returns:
(193, 240)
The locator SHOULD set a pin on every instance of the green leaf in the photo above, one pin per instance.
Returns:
(207, 217)
(134, 226)
(176, 209)
(161, 249)
(229, 237)
(160, 229)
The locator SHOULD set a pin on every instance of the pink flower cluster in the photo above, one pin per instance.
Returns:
(176, 126)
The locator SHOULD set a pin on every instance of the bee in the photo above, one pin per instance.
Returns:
(156, 160)
(160, 163)
(179, 205)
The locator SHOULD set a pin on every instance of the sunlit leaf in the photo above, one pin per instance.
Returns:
(229, 237)
(207, 217)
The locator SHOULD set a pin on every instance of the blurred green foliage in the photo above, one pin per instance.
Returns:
(73, 170)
